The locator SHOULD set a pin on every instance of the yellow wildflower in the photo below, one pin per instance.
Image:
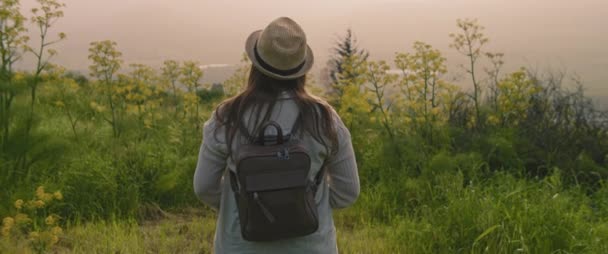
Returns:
(97, 107)
(50, 220)
(8, 222)
(34, 235)
(18, 76)
(30, 204)
(436, 111)
(73, 85)
(47, 197)
(59, 104)
(493, 119)
(6, 231)
(58, 195)
(54, 239)
(21, 218)
(56, 230)
(40, 192)
(39, 203)
(19, 203)
(148, 123)
(131, 109)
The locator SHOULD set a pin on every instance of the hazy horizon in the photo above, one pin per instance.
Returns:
(555, 34)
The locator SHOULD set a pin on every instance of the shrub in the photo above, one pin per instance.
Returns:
(35, 221)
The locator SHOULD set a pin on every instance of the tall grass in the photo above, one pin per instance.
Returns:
(501, 214)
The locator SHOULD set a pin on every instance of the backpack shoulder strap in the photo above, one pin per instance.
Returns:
(318, 178)
(233, 182)
(296, 125)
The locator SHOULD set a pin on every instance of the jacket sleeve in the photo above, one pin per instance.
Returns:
(343, 176)
(210, 167)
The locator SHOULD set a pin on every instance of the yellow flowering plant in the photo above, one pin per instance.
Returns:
(513, 100)
(34, 221)
(425, 97)
(66, 95)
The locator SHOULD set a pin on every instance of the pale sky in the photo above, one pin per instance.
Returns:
(563, 34)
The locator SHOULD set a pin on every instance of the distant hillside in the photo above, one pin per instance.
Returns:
(210, 74)
(217, 74)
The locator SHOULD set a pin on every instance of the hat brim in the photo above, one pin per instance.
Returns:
(250, 49)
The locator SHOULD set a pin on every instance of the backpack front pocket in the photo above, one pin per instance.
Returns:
(280, 213)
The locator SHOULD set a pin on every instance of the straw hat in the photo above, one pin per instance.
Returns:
(280, 50)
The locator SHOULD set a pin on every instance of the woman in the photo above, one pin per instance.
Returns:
(280, 60)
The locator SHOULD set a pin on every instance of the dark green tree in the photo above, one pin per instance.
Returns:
(345, 65)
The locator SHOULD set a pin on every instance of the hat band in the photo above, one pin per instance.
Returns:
(268, 67)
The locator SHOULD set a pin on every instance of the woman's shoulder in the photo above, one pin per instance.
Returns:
(321, 103)
(338, 124)
(218, 115)
(213, 128)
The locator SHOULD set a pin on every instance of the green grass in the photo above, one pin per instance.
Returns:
(501, 215)
(175, 234)
(179, 234)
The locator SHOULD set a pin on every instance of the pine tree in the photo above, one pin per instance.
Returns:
(346, 47)
(345, 66)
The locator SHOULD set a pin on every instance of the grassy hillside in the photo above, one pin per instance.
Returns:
(104, 163)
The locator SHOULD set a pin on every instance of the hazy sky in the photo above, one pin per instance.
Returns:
(563, 34)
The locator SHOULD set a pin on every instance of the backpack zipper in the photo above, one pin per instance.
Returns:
(283, 154)
(263, 207)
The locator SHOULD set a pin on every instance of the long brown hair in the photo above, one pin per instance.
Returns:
(261, 95)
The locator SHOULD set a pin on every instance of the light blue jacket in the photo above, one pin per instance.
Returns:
(339, 189)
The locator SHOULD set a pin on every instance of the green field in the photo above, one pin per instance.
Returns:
(103, 162)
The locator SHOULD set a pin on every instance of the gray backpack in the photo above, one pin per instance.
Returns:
(274, 197)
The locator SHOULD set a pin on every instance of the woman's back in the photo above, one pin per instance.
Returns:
(319, 130)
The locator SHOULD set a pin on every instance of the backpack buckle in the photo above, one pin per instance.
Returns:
(283, 154)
